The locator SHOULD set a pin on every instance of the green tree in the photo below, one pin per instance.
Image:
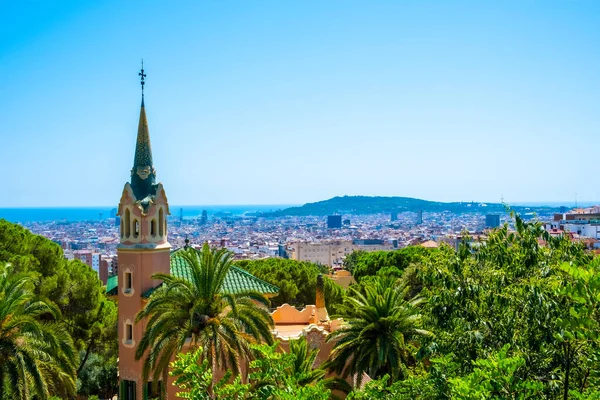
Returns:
(368, 264)
(297, 281)
(504, 291)
(497, 377)
(89, 317)
(304, 371)
(98, 377)
(578, 335)
(352, 259)
(270, 378)
(379, 326)
(72, 285)
(36, 353)
(225, 324)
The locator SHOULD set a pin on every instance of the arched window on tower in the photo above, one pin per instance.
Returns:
(153, 228)
(136, 228)
(161, 222)
(127, 223)
(121, 228)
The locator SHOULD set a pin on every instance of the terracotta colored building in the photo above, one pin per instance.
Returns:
(144, 249)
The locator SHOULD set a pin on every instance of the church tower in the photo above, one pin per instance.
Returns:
(143, 250)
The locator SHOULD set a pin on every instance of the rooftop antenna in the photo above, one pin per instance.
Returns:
(142, 79)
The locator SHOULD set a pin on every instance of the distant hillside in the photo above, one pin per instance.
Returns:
(373, 205)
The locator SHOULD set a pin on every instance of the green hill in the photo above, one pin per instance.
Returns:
(378, 204)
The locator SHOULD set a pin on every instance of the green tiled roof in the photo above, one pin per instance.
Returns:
(236, 281)
(111, 285)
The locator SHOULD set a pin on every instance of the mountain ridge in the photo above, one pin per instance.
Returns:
(388, 204)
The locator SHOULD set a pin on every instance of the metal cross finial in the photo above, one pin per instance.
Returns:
(142, 75)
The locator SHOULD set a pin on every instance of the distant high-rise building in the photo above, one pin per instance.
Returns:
(204, 217)
(281, 251)
(103, 272)
(420, 217)
(492, 221)
(394, 216)
(88, 257)
(334, 221)
(181, 216)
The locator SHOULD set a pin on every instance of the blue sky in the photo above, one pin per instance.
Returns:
(286, 102)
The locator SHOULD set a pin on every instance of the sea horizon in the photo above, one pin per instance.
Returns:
(95, 213)
(82, 213)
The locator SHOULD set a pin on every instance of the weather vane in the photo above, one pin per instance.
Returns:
(142, 75)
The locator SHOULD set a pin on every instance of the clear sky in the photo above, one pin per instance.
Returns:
(286, 102)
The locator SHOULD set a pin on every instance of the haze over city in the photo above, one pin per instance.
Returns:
(292, 102)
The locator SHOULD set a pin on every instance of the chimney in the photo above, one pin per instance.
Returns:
(322, 315)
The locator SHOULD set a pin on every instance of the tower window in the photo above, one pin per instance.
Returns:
(154, 390)
(127, 338)
(136, 228)
(153, 228)
(161, 222)
(128, 282)
(127, 223)
(129, 333)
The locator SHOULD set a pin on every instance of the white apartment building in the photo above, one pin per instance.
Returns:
(583, 222)
(333, 252)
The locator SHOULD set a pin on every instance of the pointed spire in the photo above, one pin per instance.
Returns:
(143, 174)
(143, 149)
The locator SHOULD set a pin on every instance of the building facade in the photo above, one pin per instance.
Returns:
(333, 252)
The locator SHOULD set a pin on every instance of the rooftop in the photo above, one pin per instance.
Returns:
(236, 281)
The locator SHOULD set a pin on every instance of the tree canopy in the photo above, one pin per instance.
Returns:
(87, 315)
(297, 281)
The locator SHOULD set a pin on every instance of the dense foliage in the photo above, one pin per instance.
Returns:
(362, 263)
(515, 317)
(380, 324)
(196, 311)
(273, 375)
(297, 281)
(86, 315)
(36, 354)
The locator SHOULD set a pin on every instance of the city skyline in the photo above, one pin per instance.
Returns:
(269, 103)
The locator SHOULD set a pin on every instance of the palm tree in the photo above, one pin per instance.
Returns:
(379, 323)
(36, 358)
(197, 311)
(304, 361)
(305, 371)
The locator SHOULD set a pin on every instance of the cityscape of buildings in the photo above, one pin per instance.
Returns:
(324, 240)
